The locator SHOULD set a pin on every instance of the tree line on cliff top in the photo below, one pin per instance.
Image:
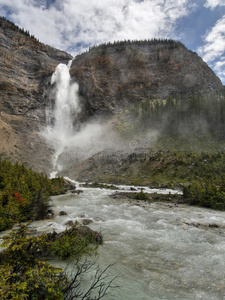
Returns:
(6, 24)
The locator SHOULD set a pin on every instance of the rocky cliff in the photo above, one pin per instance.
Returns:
(114, 75)
(26, 66)
(111, 77)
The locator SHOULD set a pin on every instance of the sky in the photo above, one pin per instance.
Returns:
(75, 25)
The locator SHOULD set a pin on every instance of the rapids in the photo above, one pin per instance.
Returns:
(159, 253)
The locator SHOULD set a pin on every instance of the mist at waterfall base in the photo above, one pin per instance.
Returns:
(69, 139)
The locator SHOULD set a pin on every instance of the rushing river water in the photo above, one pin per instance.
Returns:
(158, 251)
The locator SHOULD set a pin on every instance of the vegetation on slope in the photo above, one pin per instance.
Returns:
(176, 123)
(165, 168)
(24, 194)
(192, 131)
(199, 174)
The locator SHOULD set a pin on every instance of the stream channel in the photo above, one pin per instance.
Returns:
(161, 250)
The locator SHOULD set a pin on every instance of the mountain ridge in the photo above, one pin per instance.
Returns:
(111, 78)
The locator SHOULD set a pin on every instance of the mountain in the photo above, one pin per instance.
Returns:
(115, 75)
(115, 81)
(26, 66)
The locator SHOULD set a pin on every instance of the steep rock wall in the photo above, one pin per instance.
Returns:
(112, 76)
(26, 66)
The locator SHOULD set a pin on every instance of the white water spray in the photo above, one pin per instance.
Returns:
(60, 129)
(66, 103)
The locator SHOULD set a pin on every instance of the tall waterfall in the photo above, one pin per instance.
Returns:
(66, 103)
(61, 116)
(72, 142)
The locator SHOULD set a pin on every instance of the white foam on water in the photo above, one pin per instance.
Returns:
(157, 255)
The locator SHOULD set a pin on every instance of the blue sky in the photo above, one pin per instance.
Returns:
(74, 25)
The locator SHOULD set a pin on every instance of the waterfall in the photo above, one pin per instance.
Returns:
(62, 115)
(71, 141)
(66, 103)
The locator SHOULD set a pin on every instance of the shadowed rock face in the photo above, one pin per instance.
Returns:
(26, 67)
(113, 76)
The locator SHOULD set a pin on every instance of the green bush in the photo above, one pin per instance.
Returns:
(141, 196)
(73, 245)
(23, 275)
(206, 193)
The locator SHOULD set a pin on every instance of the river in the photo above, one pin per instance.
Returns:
(159, 251)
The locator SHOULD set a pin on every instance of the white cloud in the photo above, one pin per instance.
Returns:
(219, 67)
(68, 23)
(214, 46)
(213, 50)
(214, 3)
(220, 64)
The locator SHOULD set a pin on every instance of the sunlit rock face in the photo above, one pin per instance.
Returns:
(114, 75)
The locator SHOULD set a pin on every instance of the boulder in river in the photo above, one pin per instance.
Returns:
(69, 185)
(70, 223)
(77, 191)
(63, 213)
(50, 214)
(86, 221)
(133, 189)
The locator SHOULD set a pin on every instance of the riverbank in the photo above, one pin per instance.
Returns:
(168, 169)
(201, 176)
(150, 197)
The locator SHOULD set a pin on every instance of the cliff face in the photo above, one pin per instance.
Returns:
(114, 75)
(110, 78)
(26, 67)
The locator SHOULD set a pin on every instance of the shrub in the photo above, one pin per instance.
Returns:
(24, 275)
(141, 196)
(73, 245)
